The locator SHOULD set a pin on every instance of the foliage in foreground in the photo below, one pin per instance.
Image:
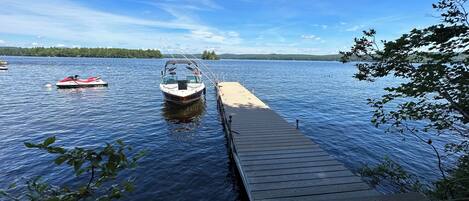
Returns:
(392, 174)
(100, 168)
(433, 98)
(80, 52)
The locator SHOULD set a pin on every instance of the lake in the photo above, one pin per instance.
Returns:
(187, 156)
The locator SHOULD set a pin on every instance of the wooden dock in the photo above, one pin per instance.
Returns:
(275, 160)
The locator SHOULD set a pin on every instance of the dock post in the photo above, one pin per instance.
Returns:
(297, 123)
(229, 123)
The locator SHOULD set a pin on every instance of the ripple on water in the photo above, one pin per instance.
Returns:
(186, 149)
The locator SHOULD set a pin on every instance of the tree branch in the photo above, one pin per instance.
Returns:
(91, 178)
(464, 12)
(440, 164)
(455, 105)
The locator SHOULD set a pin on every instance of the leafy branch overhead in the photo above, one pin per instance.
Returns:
(432, 67)
(393, 174)
(101, 167)
(435, 81)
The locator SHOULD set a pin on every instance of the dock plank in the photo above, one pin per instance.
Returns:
(282, 156)
(305, 183)
(299, 176)
(276, 152)
(290, 165)
(364, 194)
(287, 160)
(258, 149)
(295, 170)
(308, 191)
(276, 144)
(275, 160)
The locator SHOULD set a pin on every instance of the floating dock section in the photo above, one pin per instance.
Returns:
(276, 161)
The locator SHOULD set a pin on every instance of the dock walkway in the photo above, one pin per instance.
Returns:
(277, 162)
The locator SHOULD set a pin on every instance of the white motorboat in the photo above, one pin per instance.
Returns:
(3, 65)
(182, 91)
(75, 82)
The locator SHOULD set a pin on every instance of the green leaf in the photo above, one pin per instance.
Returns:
(56, 150)
(77, 165)
(11, 186)
(59, 160)
(120, 142)
(30, 145)
(49, 141)
(128, 186)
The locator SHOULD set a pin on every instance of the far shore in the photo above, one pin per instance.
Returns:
(5, 57)
(149, 54)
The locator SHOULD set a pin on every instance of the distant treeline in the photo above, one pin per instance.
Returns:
(332, 57)
(139, 53)
(80, 52)
(306, 57)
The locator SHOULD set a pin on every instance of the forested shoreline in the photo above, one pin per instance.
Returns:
(80, 52)
(154, 53)
(139, 53)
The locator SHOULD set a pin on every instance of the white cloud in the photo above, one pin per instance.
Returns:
(60, 45)
(67, 20)
(226, 38)
(233, 34)
(355, 28)
(35, 44)
(186, 4)
(323, 26)
(210, 4)
(310, 37)
(207, 35)
(2, 42)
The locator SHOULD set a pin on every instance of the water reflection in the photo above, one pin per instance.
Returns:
(183, 121)
(183, 113)
(80, 90)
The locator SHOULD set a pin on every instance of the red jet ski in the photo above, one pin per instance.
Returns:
(75, 82)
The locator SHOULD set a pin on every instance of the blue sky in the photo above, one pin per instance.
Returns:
(244, 26)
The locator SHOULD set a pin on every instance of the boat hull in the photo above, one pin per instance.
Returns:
(183, 100)
(71, 86)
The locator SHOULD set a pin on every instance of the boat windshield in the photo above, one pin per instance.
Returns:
(172, 79)
(193, 79)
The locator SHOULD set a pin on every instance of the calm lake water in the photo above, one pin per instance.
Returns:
(187, 156)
